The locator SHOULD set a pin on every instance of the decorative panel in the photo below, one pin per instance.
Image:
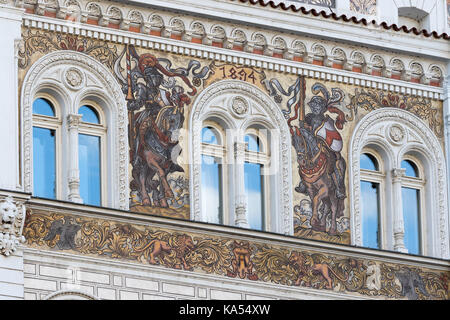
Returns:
(232, 257)
(367, 7)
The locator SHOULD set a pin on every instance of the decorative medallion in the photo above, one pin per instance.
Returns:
(396, 134)
(239, 106)
(73, 78)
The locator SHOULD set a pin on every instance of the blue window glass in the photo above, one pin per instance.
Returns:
(89, 114)
(411, 169)
(370, 214)
(43, 107)
(253, 143)
(368, 162)
(254, 191)
(209, 136)
(44, 163)
(212, 204)
(411, 205)
(89, 164)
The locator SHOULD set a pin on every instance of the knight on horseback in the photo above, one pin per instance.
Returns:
(318, 129)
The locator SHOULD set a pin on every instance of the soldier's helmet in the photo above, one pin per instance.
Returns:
(318, 105)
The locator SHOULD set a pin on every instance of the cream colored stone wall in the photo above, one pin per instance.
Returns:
(47, 273)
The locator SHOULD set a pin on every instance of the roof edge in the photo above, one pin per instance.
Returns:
(345, 18)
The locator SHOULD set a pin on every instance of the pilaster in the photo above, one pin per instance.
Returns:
(10, 20)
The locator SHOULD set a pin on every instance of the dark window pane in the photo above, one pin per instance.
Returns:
(44, 163)
(411, 169)
(89, 163)
(88, 114)
(370, 214)
(212, 189)
(253, 143)
(43, 107)
(411, 205)
(368, 162)
(209, 136)
(255, 195)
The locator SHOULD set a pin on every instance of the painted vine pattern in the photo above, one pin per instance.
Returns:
(233, 258)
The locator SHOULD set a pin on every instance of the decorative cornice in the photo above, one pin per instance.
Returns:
(245, 58)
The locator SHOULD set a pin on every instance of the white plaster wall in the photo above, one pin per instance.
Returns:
(47, 273)
(10, 24)
(12, 276)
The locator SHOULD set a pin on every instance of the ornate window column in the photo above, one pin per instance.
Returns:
(399, 229)
(241, 219)
(73, 121)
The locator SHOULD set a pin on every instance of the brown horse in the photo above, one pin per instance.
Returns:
(315, 170)
(157, 142)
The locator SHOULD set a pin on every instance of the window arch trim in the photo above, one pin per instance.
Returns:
(201, 110)
(34, 82)
(430, 148)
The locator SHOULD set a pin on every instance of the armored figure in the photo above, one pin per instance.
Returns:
(319, 129)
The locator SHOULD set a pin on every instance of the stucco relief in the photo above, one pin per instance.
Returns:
(12, 217)
(367, 7)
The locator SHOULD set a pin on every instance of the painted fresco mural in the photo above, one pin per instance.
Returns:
(232, 258)
(160, 89)
(157, 104)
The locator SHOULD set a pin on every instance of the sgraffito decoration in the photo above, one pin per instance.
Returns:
(35, 41)
(157, 95)
(368, 7)
(232, 258)
(369, 100)
(318, 145)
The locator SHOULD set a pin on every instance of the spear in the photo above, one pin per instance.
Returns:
(130, 97)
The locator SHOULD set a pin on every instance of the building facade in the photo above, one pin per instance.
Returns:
(233, 149)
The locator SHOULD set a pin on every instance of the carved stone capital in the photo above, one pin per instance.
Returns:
(12, 220)
(73, 120)
(398, 174)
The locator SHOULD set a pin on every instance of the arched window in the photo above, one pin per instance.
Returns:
(372, 181)
(77, 131)
(413, 186)
(402, 161)
(91, 141)
(239, 162)
(213, 153)
(46, 147)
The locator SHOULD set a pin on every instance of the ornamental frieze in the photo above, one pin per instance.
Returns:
(231, 257)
